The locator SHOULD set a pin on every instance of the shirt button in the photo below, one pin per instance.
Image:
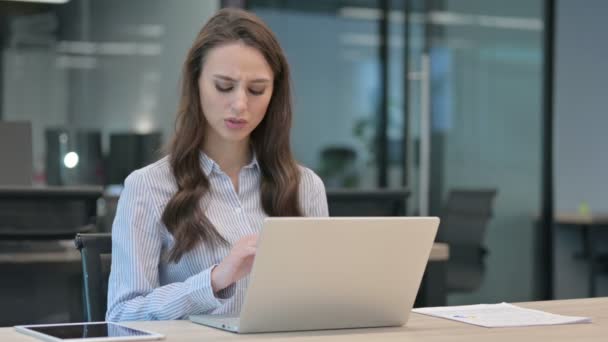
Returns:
(238, 210)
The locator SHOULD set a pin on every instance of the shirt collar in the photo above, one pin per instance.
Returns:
(209, 165)
(253, 164)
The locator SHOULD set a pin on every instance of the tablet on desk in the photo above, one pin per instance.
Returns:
(89, 332)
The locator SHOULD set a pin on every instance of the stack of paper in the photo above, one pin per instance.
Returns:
(499, 315)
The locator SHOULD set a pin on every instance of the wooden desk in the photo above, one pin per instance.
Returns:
(581, 220)
(588, 225)
(440, 252)
(419, 328)
(33, 252)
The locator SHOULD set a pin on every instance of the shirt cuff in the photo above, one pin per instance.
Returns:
(226, 293)
(202, 292)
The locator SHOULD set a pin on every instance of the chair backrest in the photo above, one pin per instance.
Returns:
(464, 222)
(466, 215)
(95, 249)
(377, 202)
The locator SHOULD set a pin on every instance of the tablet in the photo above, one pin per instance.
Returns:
(89, 332)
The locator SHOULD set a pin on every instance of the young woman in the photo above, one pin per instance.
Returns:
(185, 232)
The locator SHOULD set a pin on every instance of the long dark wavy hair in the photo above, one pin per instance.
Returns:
(183, 215)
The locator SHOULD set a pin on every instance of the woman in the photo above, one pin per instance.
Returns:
(185, 232)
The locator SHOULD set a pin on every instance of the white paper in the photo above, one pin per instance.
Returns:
(499, 315)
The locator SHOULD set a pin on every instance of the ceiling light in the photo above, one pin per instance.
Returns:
(43, 1)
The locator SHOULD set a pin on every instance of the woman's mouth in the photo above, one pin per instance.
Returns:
(234, 123)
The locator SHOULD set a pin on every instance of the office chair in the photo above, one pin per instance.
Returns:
(376, 202)
(464, 221)
(337, 167)
(130, 151)
(95, 272)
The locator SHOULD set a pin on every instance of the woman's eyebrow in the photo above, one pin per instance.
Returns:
(228, 78)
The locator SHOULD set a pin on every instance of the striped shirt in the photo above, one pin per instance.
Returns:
(143, 285)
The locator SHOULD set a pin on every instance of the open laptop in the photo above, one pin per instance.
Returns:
(333, 273)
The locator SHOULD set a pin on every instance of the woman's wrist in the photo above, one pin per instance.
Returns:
(218, 283)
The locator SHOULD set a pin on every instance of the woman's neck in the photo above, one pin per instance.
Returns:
(230, 156)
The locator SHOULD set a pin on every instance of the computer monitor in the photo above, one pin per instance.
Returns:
(84, 146)
(374, 202)
(16, 153)
(131, 151)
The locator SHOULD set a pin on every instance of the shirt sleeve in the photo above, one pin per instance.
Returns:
(313, 198)
(134, 291)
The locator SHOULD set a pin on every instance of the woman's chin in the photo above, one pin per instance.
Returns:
(235, 137)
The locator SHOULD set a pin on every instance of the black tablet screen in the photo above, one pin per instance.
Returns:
(88, 330)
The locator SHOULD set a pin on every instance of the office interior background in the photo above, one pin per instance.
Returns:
(432, 96)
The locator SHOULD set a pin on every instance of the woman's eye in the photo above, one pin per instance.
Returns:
(223, 88)
(256, 92)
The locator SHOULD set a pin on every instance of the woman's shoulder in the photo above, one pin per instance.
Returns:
(313, 199)
(156, 175)
(309, 180)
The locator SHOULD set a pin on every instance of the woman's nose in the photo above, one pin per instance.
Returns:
(239, 104)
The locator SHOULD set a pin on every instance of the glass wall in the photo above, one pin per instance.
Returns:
(486, 106)
(481, 91)
(336, 75)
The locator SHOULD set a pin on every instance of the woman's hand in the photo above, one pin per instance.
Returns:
(236, 265)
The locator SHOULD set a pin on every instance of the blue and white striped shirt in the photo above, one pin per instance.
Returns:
(143, 284)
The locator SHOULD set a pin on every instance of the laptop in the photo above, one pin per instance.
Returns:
(332, 273)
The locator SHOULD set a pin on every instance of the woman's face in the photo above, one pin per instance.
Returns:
(235, 87)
